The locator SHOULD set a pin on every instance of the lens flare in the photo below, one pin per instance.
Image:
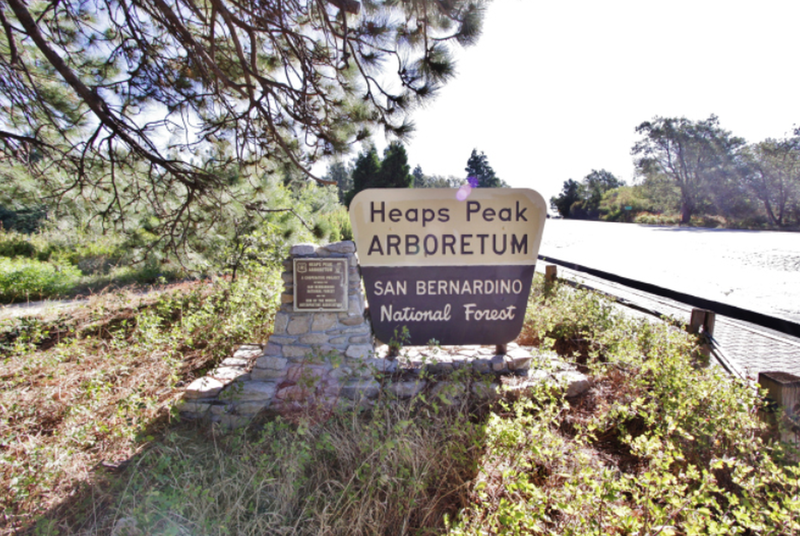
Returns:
(466, 189)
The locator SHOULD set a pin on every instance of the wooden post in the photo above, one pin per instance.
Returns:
(551, 273)
(783, 396)
(709, 322)
(501, 349)
(698, 315)
(702, 324)
(702, 320)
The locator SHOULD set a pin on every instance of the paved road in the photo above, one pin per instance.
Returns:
(759, 271)
(755, 270)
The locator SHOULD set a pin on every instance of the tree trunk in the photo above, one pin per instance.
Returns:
(770, 215)
(687, 208)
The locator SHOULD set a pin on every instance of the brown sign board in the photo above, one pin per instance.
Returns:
(447, 266)
(320, 285)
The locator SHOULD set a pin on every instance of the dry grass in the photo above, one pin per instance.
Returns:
(84, 393)
(391, 470)
(73, 402)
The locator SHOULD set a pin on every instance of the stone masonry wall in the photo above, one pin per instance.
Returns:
(310, 358)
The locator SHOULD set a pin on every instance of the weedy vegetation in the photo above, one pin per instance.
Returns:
(661, 443)
(83, 393)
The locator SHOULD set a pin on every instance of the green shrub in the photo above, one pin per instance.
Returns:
(91, 252)
(623, 204)
(659, 445)
(23, 279)
(339, 225)
(566, 320)
(16, 245)
(657, 219)
(710, 222)
(25, 220)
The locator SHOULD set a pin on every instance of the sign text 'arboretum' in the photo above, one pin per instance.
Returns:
(448, 266)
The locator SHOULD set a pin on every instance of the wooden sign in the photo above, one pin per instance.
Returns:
(447, 265)
(320, 284)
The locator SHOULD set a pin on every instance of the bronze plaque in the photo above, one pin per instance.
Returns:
(320, 285)
(453, 265)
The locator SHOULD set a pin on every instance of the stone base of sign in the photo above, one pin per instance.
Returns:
(318, 360)
(431, 371)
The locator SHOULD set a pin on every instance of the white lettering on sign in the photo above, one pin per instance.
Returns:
(438, 287)
(410, 314)
(488, 314)
(389, 288)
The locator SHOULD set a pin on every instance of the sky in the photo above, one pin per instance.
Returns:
(555, 89)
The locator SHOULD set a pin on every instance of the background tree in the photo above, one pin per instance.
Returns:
(419, 177)
(434, 181)
(597, 183)
(775, 176)
(149, 106)
(697, 155)
(662, 192)
(439, 181)
(582, 199)
(479, 168)
(365, 172)
(370, 172)
(571, 192)
(394, 172)
(340, 174)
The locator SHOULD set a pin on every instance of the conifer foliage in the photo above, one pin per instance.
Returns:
(161, 107)
(391, 172)
(478, 167)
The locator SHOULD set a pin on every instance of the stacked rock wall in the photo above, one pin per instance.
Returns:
(311, 357)
(314, 355)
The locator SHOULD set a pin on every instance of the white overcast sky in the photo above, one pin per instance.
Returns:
(555, 89)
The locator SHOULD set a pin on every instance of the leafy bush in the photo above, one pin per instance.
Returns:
(91, 252)
(24, 279)
(13, 245)
(704, 221)
(624, 203)
(657, 446)
(339, 225)
(24, 220)
(96, 254)
(657, 219)
(557, 317)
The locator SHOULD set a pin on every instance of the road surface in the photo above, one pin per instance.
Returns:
(755, 270)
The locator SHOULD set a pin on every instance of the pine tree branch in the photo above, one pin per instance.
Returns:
(12, 46)
(193, 180)
(348, 6)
